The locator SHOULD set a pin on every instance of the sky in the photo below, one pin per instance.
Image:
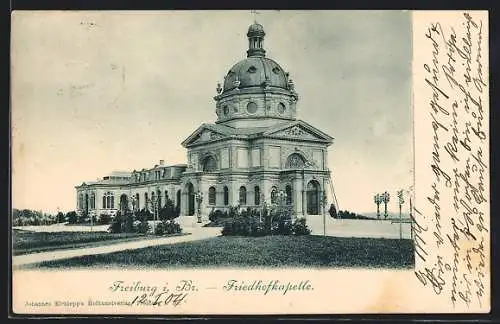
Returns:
(95, 92)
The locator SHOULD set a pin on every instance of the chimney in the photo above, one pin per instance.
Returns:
(162, 162)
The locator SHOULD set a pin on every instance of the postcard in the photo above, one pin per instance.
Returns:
(250, 162)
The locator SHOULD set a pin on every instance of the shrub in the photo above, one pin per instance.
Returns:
(227, 229)
(160, 229)
(251, 222)
(299, 227)
(167, 227)
(116, 224)
(282, 227)
(172, 227)
(143, 215)
(128, 222)
(143, 227)
(169, 211)
(72, 217)
(104, 219)
(258, 229)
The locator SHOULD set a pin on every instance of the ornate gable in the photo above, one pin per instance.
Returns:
(203, 134)
(299, 130)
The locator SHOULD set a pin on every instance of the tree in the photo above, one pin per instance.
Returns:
(143, 215)
(72, 217)
(169, 211)
(83, 216)
(60, 217)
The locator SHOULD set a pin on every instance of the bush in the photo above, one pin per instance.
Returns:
(116, 224)
(72, 217)
(143, 227)
(299, 227)
(167, 227)
(169, 211)
(282, 227)
(274, 221)
(128, 223)
(60, 217)
(104, 219)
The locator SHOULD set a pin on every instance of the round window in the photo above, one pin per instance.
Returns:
(252, 107)
(281, 108)
(226, 110)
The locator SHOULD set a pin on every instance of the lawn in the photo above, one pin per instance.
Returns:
(24, 242)
(270, 251)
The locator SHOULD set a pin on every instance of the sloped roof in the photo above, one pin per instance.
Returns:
(120, 174)
(228, 131)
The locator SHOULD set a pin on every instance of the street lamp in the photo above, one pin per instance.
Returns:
(323, 210)
(153, 203)
(401, 202)
(378, 200)
(132, 199)
(386, 199)
(199, 198)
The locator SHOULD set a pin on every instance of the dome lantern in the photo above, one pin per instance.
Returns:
(256, 40)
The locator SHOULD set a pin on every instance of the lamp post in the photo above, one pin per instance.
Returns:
(88, 214)
(153, 203)
(386, 199)
(378, 200)
(264, 206)
(132, 200)
(199, 198)
(323, 203)
(401, 202)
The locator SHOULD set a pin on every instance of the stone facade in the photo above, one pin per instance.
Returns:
(255, 151)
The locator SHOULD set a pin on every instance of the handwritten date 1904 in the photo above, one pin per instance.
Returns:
(160, 299)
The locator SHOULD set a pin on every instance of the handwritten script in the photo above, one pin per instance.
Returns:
(142, 294)
(452, 216)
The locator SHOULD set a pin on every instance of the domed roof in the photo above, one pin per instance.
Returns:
(255, 28)
(254, 72)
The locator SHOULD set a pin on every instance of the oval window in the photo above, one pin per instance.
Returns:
(252, 107)
(281, 108)
(252, 69)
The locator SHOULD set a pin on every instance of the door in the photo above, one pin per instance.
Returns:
(313, 198)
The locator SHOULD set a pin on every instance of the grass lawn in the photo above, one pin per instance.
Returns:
(270, 251)
(24, 242)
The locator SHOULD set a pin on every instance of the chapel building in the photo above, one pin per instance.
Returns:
(255, 152)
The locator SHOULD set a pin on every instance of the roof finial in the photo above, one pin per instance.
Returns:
(255, 13)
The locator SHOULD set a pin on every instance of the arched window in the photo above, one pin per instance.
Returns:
(288, 191)
(211, 196)
(274, 195)
(80, 201)
(108, 200)
(137, 201)
(166, 197)
(226, 196)
(209, 164)
(92, 200)
(146, 201)
(295, 161)
(243, 195)
(256, 191)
